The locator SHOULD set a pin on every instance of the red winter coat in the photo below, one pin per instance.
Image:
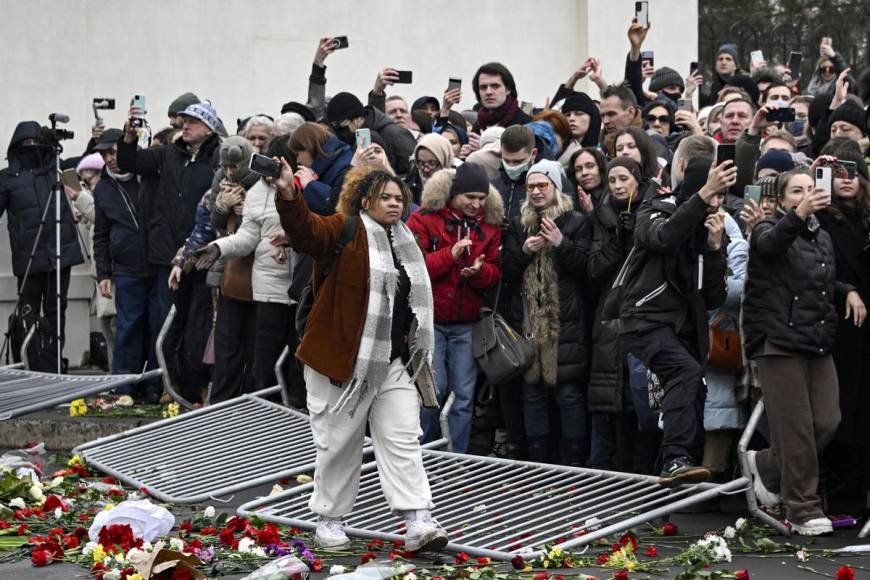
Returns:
(436, 227)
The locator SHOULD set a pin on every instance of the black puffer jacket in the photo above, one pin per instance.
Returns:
(25, 192)
(120, 240)
(570, 262)
(512, 192)
(661, 285)
(791, 287)
(183, 181)
(608, 384)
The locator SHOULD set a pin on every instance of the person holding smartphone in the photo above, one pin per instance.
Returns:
(790, 327)
(847, 220)
(829, 65)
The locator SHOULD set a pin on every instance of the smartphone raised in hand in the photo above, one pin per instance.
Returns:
(265, 166)
(725, 152)
(405, 77)
(756, 57)
(694, 68)
(685, 105)
(783, 115)
(363, 138)
(824, 179)
(648, 55)
(339, 42)
(794, 64)
(454, 84)
(641, 13)
(752, 192)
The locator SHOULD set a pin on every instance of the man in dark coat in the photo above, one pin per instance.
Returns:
(26, 192)
(677, 273)
(496, 92)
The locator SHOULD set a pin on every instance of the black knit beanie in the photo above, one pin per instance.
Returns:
(470, 177)
(182, 102)
(852, 113)
(344, 106)
(665, 77)
(629, 164)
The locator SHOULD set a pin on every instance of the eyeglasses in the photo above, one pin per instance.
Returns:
(661, 119)
(543, 186)
(826, 69)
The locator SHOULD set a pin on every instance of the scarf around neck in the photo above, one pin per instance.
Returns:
(373, 357)
(498, 116)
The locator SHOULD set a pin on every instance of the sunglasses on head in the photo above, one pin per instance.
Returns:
(661, 119)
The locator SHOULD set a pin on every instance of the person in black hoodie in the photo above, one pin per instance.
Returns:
(121, 255)
(676, 274)
(26, 191)
(615, 441)
(185, 170)
(789, 329)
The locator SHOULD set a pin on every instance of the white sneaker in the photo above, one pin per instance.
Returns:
(330, 533)
(422, 532)
(813, 527)
(764, 496)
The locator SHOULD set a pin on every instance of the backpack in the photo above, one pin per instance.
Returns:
(306, 298)
(42, 350)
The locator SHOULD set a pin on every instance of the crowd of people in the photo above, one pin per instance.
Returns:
(670, 263)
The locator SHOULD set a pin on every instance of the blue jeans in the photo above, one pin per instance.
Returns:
(572, 407)
(455, 371)
(138, 323)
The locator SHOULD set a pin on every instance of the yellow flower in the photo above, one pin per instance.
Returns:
(78, 408)
(135, 576)
(171, 410)
(74, 460)
(99, 554)
(108, 507)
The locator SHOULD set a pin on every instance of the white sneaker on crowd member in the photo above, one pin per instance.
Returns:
(330, 533)
(813, 527)
(422, 532)
(765, 497)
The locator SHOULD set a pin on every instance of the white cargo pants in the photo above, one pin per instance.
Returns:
(393, 413)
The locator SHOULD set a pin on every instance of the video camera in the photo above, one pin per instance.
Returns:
(53, 133)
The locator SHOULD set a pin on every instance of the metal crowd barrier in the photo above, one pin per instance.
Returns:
(279, 375)
(213, 451)
(161, 361)
(498, 508)
(23, 391)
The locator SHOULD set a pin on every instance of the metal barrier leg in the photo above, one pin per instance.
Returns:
(445, 427)
(161, 361)
(751, 500)
(865, 531)
(279, 375)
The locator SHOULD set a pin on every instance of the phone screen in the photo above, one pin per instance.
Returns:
(71, 179)
(265, 166)
(405, 77)
(454, 84)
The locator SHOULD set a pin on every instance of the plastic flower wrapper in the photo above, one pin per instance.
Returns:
(147, 520)
(377, 570)
(281, 569)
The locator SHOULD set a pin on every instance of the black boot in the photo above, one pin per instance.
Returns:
(540, 449)
(573, 451)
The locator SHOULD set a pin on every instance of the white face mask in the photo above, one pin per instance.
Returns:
(514, 172)
(779, 102)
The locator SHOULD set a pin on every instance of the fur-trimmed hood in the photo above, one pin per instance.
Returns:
(436, 192)
(530, 218)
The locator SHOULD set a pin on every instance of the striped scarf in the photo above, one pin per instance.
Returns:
(373, 357)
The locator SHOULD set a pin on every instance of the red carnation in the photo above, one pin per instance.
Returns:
(602, 559)
(22, 513)
(615, 548)
(367, 556)
(22, 529)
(669, 529)
(518, 563)
(629, 538)
(270, 534)
(110, 480)
(462, 558)
(845, 573)
(652, 552)
(71, 541)
(186, 526)
(227, 537)
(208, 531)
(41, 558)
(541, 576)
(620, 575)
(484, 561)
(4, 525)
(317, 565)
(742, 574)
(237, 524)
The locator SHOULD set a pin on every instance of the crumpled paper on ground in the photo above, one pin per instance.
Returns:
(148, 521)
(283, 568)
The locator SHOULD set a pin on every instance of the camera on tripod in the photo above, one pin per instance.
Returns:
(55, 134)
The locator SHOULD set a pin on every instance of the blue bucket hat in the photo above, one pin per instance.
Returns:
(203, 111)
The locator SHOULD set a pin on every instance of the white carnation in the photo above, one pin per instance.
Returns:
(18, 502)
(208, 512)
